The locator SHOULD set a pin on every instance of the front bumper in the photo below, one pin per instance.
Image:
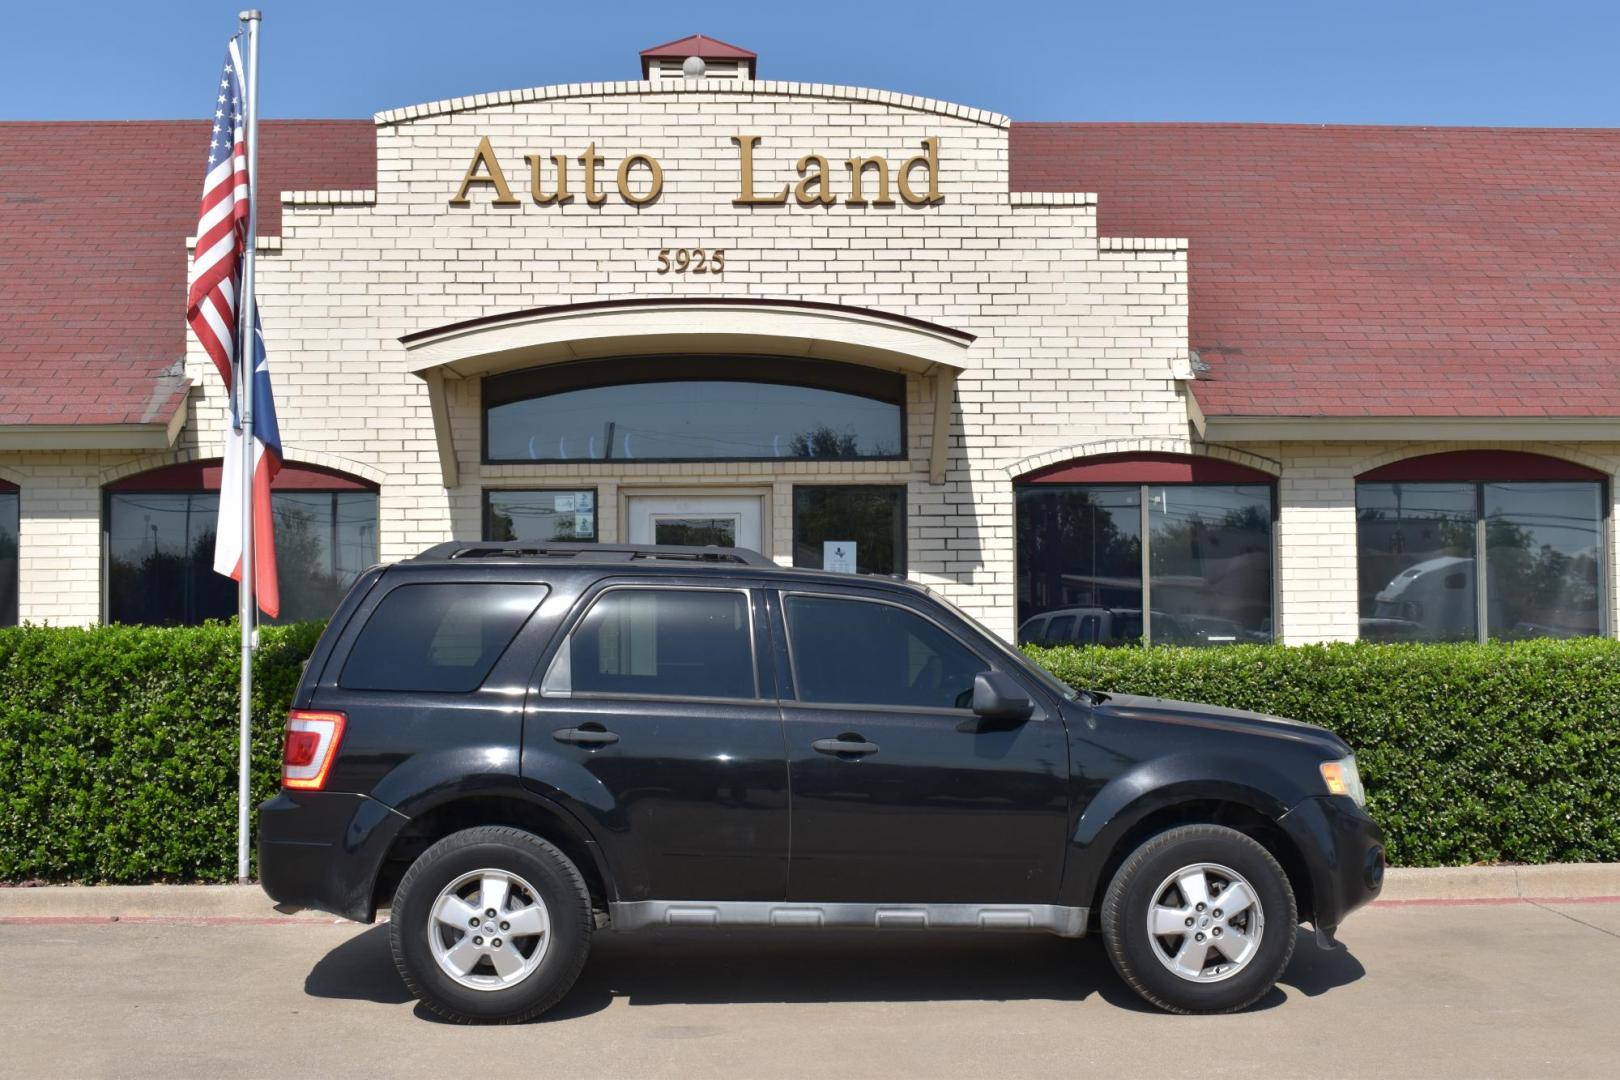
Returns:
(322, 850)
(1343, 850)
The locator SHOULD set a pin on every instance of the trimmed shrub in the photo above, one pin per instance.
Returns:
(118, 748)
(1507, 752)
(118, 743)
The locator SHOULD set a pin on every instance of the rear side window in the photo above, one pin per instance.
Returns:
(665, 642)
(441, 637)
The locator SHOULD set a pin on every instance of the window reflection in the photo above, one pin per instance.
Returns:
(544, 516)
(8, 557)
(694, 420)
(161, 554)
(1417, 547)
(1211, 563)
(1081, 548)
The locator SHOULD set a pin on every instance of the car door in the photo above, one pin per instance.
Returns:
(657, 715)
(901, 794)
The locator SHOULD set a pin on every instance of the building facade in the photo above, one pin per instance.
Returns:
(850, 328)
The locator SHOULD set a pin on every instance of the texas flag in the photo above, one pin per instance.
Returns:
(266, 463)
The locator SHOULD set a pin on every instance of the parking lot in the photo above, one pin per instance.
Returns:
(1464, 990)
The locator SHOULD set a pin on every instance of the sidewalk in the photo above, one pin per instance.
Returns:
(248, 903)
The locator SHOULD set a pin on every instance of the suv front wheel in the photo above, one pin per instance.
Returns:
(1200, 919)
(491, 924)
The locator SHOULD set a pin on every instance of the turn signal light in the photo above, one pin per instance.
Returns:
(311, 747)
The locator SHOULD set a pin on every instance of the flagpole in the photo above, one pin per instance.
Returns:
(246, 352)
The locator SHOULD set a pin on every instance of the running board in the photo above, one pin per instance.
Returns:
(1051, 918)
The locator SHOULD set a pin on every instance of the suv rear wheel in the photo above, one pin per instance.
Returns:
(491, 924)
(1200, 919)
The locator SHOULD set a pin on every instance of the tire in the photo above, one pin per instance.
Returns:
(1242, 962)
(548, 939)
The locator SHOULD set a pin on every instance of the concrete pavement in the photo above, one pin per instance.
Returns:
(1443, 989)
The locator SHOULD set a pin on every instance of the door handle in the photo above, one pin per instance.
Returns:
(841, 745)
(595, 735)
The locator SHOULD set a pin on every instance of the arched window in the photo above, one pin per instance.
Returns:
(694, 409)
(1145, 549)
(1425, 524)
(160, 543)
(9, 528)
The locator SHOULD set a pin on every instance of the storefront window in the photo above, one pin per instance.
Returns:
(160, 546)
(869, 521)
(695, 409)
(8, 554)
(541, 516)
(1419, 542)
(1197, 555)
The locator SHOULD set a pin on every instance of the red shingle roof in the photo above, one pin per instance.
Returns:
(93, 222)
(1348, 271)
(697, 45)
(1334, 271)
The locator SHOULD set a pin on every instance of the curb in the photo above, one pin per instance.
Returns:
(1570, 882)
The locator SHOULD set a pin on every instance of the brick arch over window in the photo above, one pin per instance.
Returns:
(204, 475)
(1500, 466)
(1148, 468)
(1120, 448)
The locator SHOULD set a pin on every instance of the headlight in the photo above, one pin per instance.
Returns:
(1343, 778)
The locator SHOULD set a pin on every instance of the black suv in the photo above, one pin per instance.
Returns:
(516, 746)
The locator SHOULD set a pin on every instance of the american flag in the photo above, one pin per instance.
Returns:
(216, 282)
(221, 224)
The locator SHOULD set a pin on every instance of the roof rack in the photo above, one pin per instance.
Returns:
(594, 553)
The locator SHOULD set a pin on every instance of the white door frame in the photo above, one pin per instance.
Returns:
(749, 507)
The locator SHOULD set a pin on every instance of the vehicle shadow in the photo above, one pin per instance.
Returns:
(663, 967)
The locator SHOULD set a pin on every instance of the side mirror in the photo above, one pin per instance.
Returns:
(997, 696)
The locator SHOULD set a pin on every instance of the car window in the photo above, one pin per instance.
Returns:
(665, 642)
(1030, 632)
(1061, 628)
(855, 652)
(439, 636)
(1090, 630)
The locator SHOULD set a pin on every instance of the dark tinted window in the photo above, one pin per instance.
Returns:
(438, 637)
(161, 554)
(1061, 628)
(1416, 561)
(8, 558)
(694, 408)
(1543, 550)
(543, 516)
(873, 518)
(852, 652)
(665, 642)
(1079, 547)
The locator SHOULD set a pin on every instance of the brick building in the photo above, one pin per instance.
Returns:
(1193, 383)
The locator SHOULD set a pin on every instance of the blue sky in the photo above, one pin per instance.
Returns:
(1309, 61)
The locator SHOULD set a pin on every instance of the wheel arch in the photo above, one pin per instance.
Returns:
(1238, 814)
(515, 808)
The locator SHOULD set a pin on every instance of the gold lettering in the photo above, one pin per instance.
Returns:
(492, 176)
(591, 159)
(653, 167)
(928, 159)
(536, 188)
(745, 157)
(814, 181)
(857, 169)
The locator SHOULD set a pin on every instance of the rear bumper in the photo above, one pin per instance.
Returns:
(322, 850)
(1344, 855)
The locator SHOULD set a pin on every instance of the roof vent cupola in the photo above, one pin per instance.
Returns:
(696, 57)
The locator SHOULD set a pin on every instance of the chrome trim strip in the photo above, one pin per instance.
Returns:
(1050, 918)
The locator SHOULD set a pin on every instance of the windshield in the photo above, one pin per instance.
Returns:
(1022, 662)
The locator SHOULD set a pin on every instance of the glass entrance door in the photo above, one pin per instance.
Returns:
(719, 520)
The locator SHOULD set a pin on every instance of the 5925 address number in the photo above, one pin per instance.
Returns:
(691, 261)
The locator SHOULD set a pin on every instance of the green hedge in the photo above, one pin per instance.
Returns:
(118, 744)
(1470, 753)
(118, 748)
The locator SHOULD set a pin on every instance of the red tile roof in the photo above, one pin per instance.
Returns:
(1348, 271)
(93, 222)
(1334, 271)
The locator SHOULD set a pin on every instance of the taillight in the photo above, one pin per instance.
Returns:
(312, 744)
